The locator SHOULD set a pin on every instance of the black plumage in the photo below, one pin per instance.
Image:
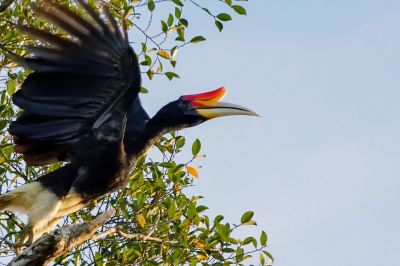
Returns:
(80, 106)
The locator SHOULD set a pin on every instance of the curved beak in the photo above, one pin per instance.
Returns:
(208, 105)
(219, 109)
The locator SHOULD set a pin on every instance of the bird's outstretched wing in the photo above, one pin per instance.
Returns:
(82, 86)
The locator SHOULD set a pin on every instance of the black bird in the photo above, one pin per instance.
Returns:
(80, 105)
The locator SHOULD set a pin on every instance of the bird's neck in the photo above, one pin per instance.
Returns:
(142, 143)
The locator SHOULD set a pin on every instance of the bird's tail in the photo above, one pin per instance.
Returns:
(21, 199)
(7, 199)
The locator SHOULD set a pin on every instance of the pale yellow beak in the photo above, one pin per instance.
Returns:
(218, 109)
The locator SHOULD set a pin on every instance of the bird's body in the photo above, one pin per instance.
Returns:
(81, 106)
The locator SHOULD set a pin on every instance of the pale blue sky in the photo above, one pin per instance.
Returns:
(320, 168)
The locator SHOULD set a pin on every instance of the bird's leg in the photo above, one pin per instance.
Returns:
(70, 203)
(51, 224)
(61, 213)
(42, 212)
(26, 239)
(70, 209)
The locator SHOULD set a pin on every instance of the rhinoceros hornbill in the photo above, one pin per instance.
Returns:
(80, 104)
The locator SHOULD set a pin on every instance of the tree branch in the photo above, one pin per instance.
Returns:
(50, 246)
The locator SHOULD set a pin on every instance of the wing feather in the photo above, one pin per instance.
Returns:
(82, 86)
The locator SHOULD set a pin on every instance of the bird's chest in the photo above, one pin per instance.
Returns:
(102, 173)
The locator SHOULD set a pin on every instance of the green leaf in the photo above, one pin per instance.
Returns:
(128, 11)
(181, 34)
(164, 26)
(196, 146)
(3, 124)
(98, 258)
(224, 17)
(249, 240)
(228, 250)
(11, 85)
(246, 217)
(219, 25)
(240, 10)
(223, 230)
(239, 254)
(77, 258)
(174, 51)
(201, 208)
(197, 39)
(262, 259)
(191, 211)
(184, 22)
(218, 219)
(180, 39)
(171, 75)
(144, 63)
(151, 6)
(177, 2)
(150, 73)
(171, 210)
(263, 238)
(7, 150)
(178, 13)
(147, 61)
(167, 164)
(269, 255)
(144, 90)
(144, 47)
(180, 142)
(170, 20)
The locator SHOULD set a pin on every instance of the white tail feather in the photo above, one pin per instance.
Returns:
(22, 198)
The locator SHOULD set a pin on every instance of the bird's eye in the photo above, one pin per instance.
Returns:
(183, 104)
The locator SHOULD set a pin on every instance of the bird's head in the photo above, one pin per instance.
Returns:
(194, 109)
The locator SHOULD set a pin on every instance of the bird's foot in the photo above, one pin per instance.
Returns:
(26, 240)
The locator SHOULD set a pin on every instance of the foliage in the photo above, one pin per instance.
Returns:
(156, 222)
